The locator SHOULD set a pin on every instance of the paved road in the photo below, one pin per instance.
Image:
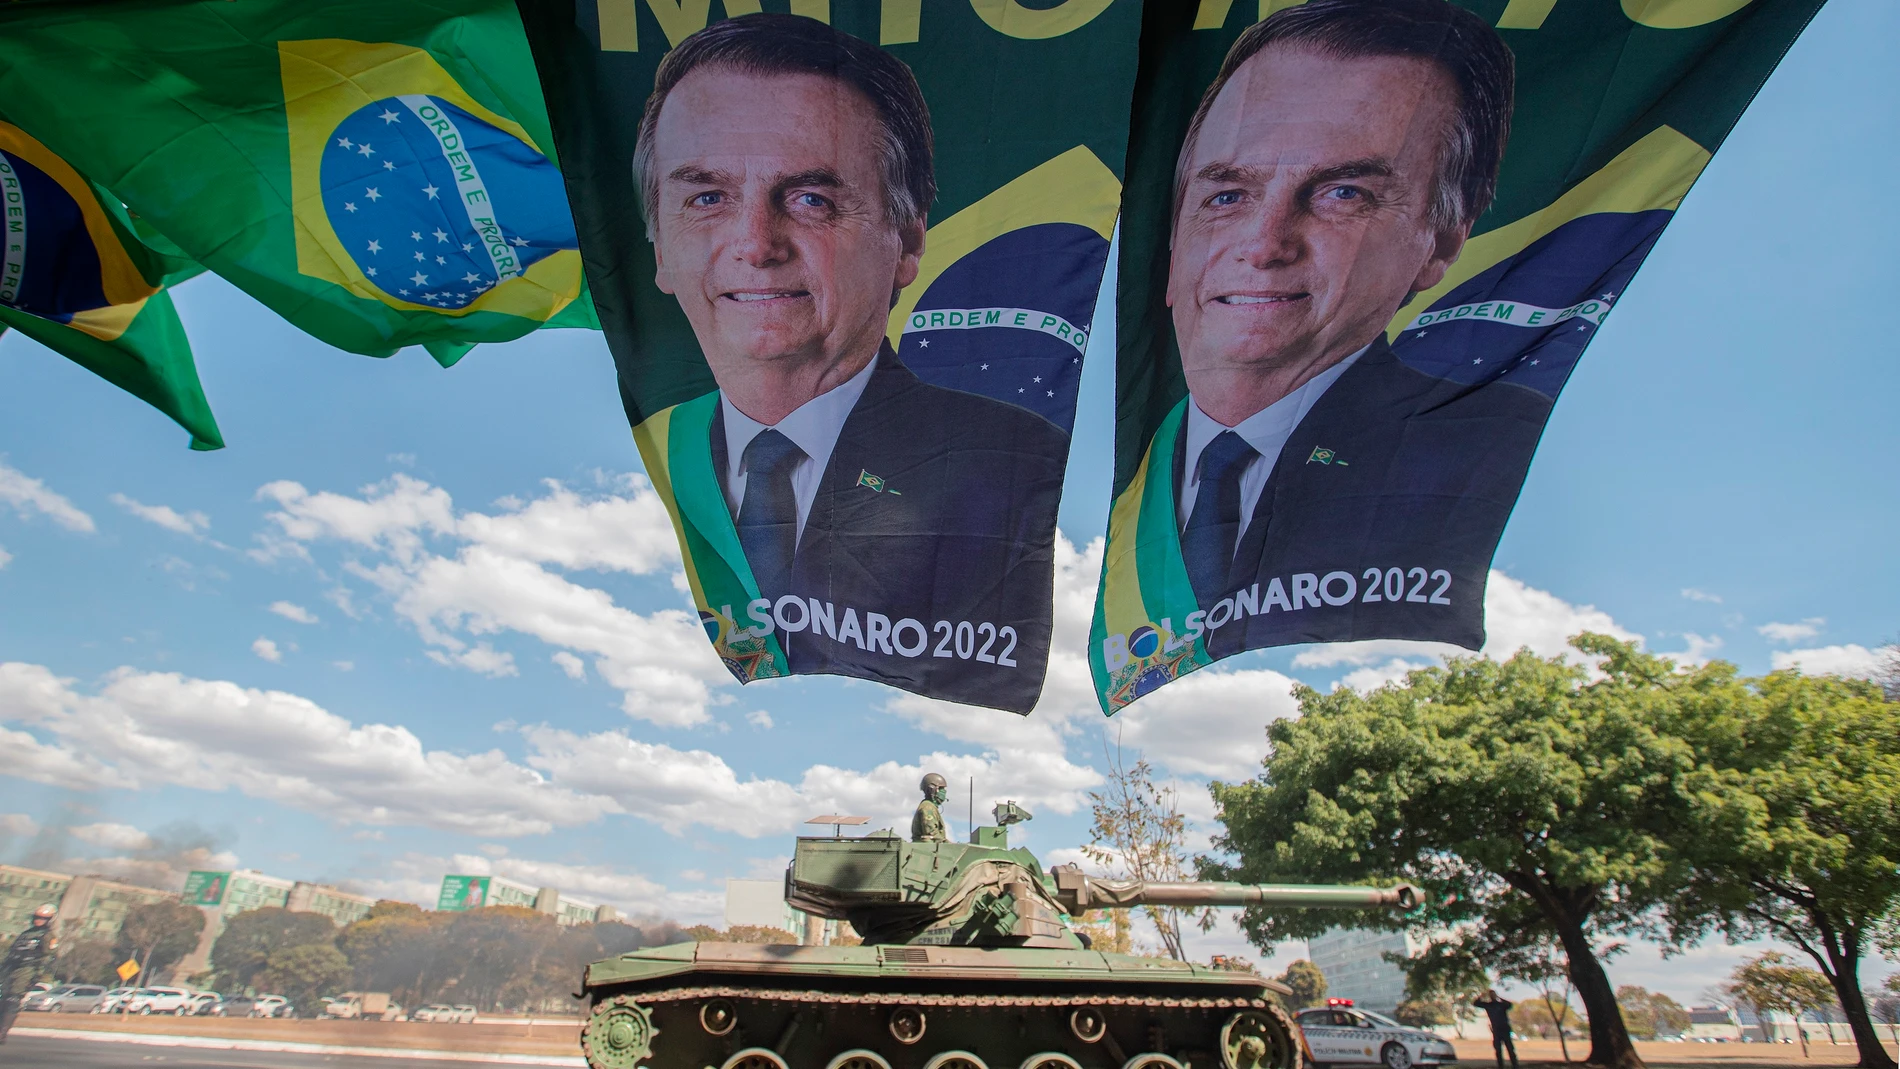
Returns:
(36, 1052)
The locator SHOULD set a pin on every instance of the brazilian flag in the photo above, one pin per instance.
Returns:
(83, 278)
(379, 174)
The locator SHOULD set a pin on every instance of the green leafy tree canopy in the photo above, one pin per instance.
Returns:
(1532, 802)
(244, 948)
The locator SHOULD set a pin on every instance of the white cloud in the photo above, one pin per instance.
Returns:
(268, 650)
(1795, 632)
(1697, 649)
(343, 666)
(760, 719)
(27, 494)
(185, 523)
(572, 665)
(480, 658)
(1852, 660)
(145, 729)
(498, 578)
(18, 824)
(4, 556)
(293, 612)
(1693, 594)
(112, 836)
(1516, 616)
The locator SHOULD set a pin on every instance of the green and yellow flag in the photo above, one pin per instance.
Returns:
(83, 278)
(379, 174)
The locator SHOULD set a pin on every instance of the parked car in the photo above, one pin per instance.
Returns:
(204, 1004)
(270, 1006)
(1340, 1035)
(66, 998)
(113, 1001)
(149, 1000)
(237, 1006)
(443, 1013)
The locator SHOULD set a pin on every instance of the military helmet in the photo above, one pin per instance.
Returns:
(45, 913)
(933, 782)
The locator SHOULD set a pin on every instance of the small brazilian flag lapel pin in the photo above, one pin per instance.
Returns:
(1323, 455)
(875, 482)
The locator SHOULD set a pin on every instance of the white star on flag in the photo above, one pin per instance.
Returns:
(389, 165)
(388, 117)
(365, 150)
(440, 260)
(349, 206)
(440, 235)
(1038, 378)
(471, 277)
(371, 272)
(923, 343)
(418, 257)
(415, 235)
(517, 242)
(375, 246)
(344, 142)
(372, 194)
(466, 247)
(431, 190)
(419, 278)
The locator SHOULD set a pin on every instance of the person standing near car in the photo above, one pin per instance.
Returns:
(1500, 1013)
(29, 951)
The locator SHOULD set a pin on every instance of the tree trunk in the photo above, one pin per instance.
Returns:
(1841, 966)
(1610, 1044)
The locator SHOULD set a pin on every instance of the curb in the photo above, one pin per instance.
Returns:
(149, 1039)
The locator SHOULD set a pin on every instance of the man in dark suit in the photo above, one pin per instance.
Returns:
(891, 529)
(1323, 490)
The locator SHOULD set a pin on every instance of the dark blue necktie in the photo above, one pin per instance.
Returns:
(1213, 528)
(768, 515)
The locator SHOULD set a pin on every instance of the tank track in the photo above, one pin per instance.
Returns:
(737, 1026)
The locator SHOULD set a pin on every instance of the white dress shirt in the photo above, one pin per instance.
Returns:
(1266, 430)
(813, 427)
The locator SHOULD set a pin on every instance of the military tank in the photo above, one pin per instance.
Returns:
(969, 961)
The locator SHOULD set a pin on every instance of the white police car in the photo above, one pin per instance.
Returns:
(1338, 1034)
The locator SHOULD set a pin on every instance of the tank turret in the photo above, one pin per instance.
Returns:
(970, 960)
(983, 893)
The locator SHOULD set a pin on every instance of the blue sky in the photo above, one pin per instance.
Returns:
(416, 621)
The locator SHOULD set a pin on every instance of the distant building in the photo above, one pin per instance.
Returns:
(1713, 1022)
(1355, 965)
(761, 904)
(24, 890)
(463, 892)
(340, 906)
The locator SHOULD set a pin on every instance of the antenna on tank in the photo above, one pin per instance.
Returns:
(971, 800)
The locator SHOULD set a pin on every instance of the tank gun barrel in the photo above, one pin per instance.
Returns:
(1078, 891)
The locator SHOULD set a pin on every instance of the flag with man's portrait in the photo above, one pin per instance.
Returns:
(1364, 243)
(846, 257)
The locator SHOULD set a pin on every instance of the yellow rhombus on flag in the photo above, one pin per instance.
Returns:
(130, 969)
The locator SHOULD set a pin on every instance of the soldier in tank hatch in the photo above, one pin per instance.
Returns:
(926, 825)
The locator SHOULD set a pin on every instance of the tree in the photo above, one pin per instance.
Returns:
(1794, 826)
(1545, 1020)
(244, 948)
(1308, 984)
(1441, 974)
(159, 934)
(302, 973)
(1138, 832)
(1530, 803)
(1769, 983)
(741, 933)
(1111, 931)
(1650, 1013)
(1887, 673)
(87, 961)
(1884, 1005)
(1427, 1013)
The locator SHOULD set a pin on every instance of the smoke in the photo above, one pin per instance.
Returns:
(157, 859)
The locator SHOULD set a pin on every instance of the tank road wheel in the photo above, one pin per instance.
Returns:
(1087, 1024)
(1395, 1057)
(956, 1059)
(1050, 1059)
(859, 1059)
(619, 1035)
(755, 1058)
(907, 1024)
(718, 1017)
(1257, 1039)
(1152, 1060)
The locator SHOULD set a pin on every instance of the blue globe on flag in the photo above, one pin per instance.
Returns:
(436, 206)
(1143, 641)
